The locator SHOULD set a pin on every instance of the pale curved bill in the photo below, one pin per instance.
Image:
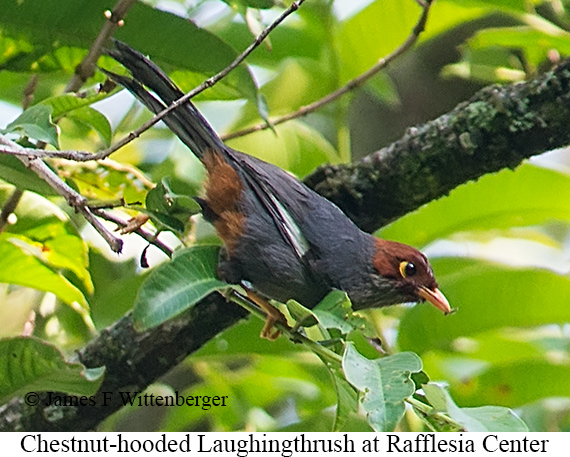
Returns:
(436, 298)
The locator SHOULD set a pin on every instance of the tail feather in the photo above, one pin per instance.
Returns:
(185, 121)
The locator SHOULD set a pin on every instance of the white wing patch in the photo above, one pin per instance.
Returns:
(294, 233)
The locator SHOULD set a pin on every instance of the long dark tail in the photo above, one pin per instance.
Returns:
(185, 121)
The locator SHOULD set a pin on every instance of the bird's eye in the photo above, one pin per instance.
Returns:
(407, 269)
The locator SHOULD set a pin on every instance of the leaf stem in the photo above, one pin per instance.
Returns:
(428, 410)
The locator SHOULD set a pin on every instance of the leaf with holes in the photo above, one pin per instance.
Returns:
(481, 419)
(29, 365)
(384, 384)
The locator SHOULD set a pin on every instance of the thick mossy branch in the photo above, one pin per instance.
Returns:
(132, 361)
(499, 127)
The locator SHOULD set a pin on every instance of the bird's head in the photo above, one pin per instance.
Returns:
(408, 275)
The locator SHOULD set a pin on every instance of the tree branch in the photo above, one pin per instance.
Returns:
(133, 361)
(202, 87)
(499, 127)
(77, 201)
(86, 68)
(349, 86)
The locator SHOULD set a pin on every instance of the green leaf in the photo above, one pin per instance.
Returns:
(482, 419)
(347, 397)
(19, 264)
(51, 24)
(534, 42)
(515, 384)
(94, 119)
(384, 384)
(108, 181)
(304, 317)
(296, 147)
(67, 103)
(36, 123)
(167, 209)
(335, 311)
(162, 199)
(31, 365)
(501, 200)
(12, 170)
(48, 234)
(381, 27)
(487, 296)
(111, 298)
(176, 286)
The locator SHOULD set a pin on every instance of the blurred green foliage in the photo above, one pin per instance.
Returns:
(499, 246)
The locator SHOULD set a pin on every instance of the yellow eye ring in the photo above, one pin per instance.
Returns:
(407, 269)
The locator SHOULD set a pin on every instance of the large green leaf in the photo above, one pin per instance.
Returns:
(29, 366)
(535, 42)
(94, 119)
(36, 123)
(515, 384)
(64, 104)
(44, 23)
(41, 247)
(382, 26)
(487, 296)
(12, 170)
(20, 265)
(49, 236)
(176, 286)
(482, 419)
(384, 384)
(347, 398)
(501, 200)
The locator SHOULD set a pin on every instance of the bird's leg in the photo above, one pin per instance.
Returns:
(272, 313)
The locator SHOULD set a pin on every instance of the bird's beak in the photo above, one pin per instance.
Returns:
(436, 298)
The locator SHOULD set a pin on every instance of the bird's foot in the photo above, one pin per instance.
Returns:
(273, 316)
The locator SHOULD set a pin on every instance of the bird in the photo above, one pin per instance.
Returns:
(281, 240)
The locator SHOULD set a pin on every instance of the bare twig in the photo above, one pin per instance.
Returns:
(151, 238)
(351, 85)
(32, 153)
(32, 158)
(74, 199)
(86, 68)
(205, 85)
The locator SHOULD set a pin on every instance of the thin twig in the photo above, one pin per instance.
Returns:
(431, 411)
(86, 68)
(151, 238)
(34, 161)
(32, 153)
(73, 198)
(351, 85)
(205, 85)
(294, 336)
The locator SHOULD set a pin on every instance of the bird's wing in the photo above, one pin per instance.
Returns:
(194, 131)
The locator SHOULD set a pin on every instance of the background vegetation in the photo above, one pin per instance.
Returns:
(499, 245)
